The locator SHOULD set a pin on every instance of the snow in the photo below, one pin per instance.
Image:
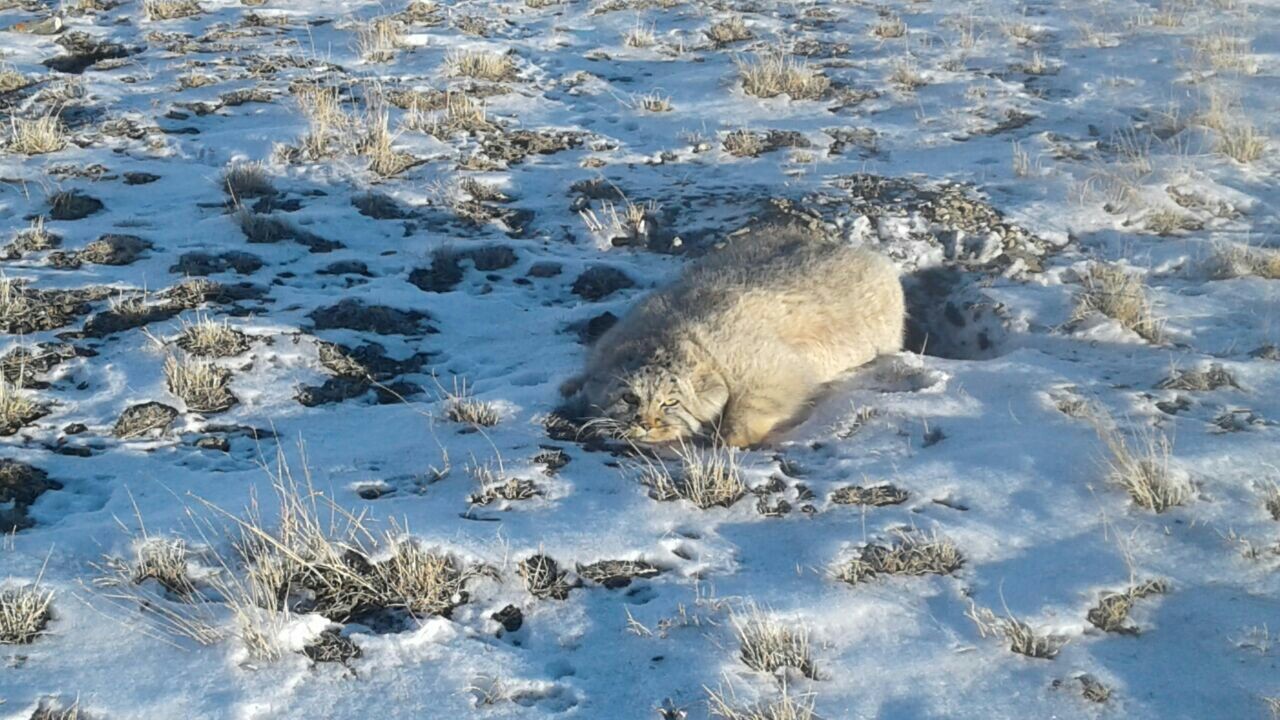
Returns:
(989, 460)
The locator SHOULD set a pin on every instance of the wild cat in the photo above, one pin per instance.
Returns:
(742, 341)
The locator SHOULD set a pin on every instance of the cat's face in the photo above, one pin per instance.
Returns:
(657, 402)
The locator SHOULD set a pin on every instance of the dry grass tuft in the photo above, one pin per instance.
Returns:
(247, 180)
(1112, 611)
(1241, 141)
(640, 36)
(629, 226)
(170, 9)
(211, 339)
(24, 612)
(891, 27)
(1232, 260)
(420, 581)
(461, 113)
(203, 386)
(50, 709)
(708, 477)
(767, 644)
(1023, 639)
(1211, 378)
(776, 74)
(378, 40)
(1120, 295)
(654, 102)
(36, 136)
(875, 496)
(723, 704)
(744, 143)
(481, 65)
(1143, 471)
(494, 486)
(327, 120)
(910, 554)
(462, 406)
(11, 79)
(378, 145)
(1222, 51)
(165, 561)
(17, 409)
(729, 30)
(905, 73)
(543, 577)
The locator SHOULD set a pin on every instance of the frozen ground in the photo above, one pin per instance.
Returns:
(1085, 135)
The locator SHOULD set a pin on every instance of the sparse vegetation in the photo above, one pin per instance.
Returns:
(543, 577)
(1143, 470)
(11, 79)
(36, 136)
(208, 338)
(776, 74)
(463, 407)
(17, 409)
(1023, 639)
(1111, 614)
(24, 613)
(482, 65)
(1121, 296)
(1232, 260)
(1211, 378)
(768, 644)
(170, 9)
(890, 28)
(378, 40)
(909, 554)
(640, 36)
(723, 704)
(708, 477)
(744, 143)
(247, 180)
(729, 30)
(203, 386)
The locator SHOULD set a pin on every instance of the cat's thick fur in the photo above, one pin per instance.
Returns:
(743, 340)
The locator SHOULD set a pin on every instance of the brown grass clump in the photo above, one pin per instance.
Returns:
(378, 146)
(203, 386)
(640, 36)
(776, 74)
(1121, 296)
(769, 645)
(911, 554)
(461, 113)
(378, 40)
(708, 477)
(892, 27)
(729, 30)
(482, 65)
(327, 121)
(1241, 141)
(211, 339)
(1143, 470)
(24, 613)
(1023, 639)
(906, 75)
(1112, 611)
(462, 406)
(170, 9)
(494, 486)
(36, 136)
(1211, 378)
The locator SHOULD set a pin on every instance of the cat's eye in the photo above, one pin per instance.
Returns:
(670, 404)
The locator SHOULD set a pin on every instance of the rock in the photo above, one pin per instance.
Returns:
(599, 282)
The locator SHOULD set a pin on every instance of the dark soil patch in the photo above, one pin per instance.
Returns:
(110, 249)
(876, 495)
(73, 205)
(109, 322)
(330, 646)
(83, 50)
(149, 418)
(352, 314)
(380, 207)
(23, 365)
(20, 485)
(513, 147)
(599, 282)
(446, 269)
(615, 574)
(200, 264)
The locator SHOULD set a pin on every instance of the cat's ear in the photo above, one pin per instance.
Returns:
(573, 385)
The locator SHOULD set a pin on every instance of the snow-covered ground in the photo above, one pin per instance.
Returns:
(1010, 148)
